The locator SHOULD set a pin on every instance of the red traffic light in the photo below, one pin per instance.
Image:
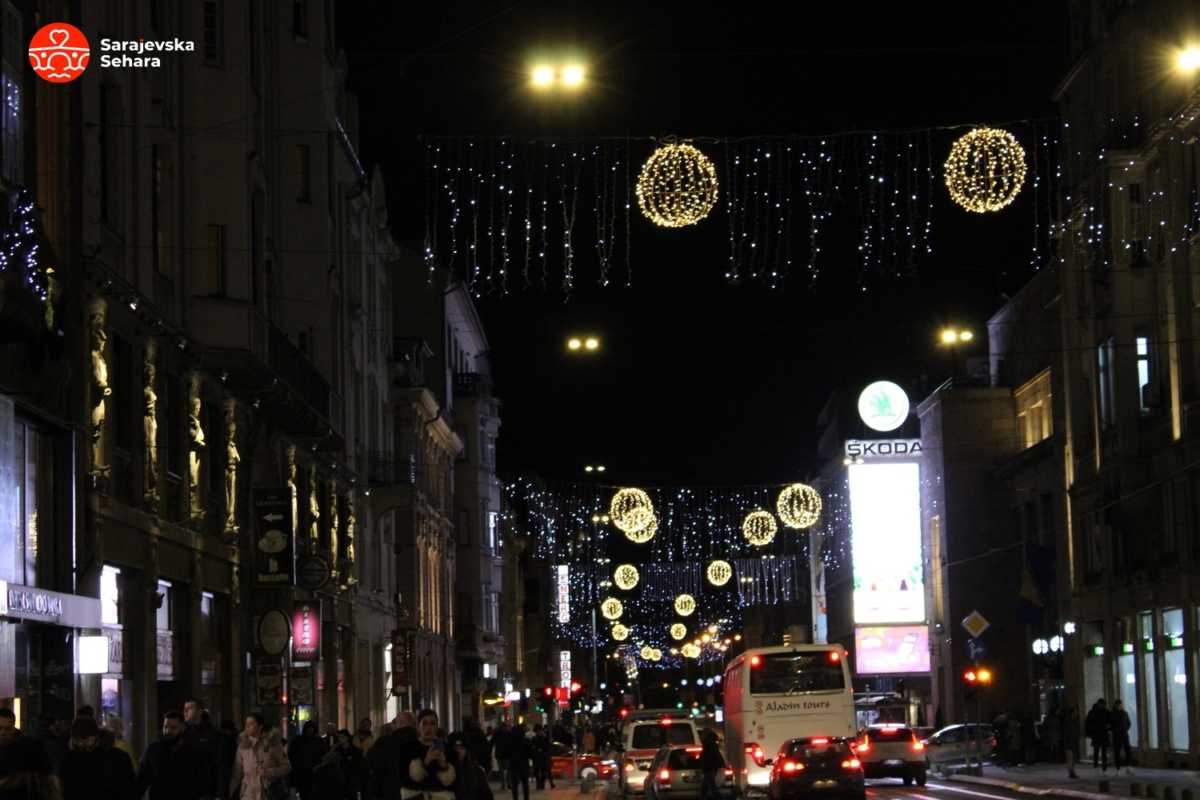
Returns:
(575, 686)
(624, 713)
(970, 677)
(548, 691)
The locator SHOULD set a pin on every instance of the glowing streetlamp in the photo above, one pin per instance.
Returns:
(542, 76)
(955, 336)
(572, 76)
(1188, 59)
(583, 344)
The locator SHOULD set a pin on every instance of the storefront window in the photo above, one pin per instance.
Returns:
(1175, 675)
(1149, 675)
(29, 464)
(110, 698)
(110, 595)
(1127, 688)
(1093, 663)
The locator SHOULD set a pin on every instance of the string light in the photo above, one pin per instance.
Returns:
(679, 631)
(619, 632)
(690, 650)
(718, 573)
(645, 534)
(655, 654)
(647, 652)
(611, 608)
(631, 511)
(19, 246)
(985, 170)
(677, 186)
(626, 577)
(799, 506)
(685, 605)
(759, 528)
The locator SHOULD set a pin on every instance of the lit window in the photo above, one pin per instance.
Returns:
(110, 596)
(1145, 390)
(163, 615)
(1035, 419)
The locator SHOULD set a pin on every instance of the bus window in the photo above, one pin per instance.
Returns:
(792, 673)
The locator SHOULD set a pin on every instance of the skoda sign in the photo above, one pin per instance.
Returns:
(883, 406)
(883, 448)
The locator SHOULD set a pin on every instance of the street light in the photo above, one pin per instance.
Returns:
(592, 343)
(953, 336)
(572, 76)
(1188, 59)
(542, 76)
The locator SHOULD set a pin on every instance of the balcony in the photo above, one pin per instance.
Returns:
(472, 384)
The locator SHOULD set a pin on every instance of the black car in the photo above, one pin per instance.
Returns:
(816, 765)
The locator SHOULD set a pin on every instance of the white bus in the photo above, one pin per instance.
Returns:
(773, 694)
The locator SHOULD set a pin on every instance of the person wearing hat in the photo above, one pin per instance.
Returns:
(91, 772)
(25, 772)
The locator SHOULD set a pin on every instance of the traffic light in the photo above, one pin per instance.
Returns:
(548, 692)
(975, 679)
(576, 687)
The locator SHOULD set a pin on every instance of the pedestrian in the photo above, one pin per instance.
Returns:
(1029, 741)
(518, 761)
(711, 763)
(502, 746)
(202, 736)
(1097, 727)
(171, 769)
(363, 739)
(1015, 749)
(305, 753)
(1071, 736)
(539, 751)
(116, 726)
(260, 765)
(352, 765)
(430, 775)
(1120, 734)
(92, 772)
(25, 772)
(1052, 734)
(477, 743)
(1000, 726)
(387, 763)
(589, 740)
(227, 744)
(471, 783)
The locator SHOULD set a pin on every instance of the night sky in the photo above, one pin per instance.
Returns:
(701, 382)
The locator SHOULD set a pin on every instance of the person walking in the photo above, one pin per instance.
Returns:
(260, 762)
(430, 775)
(472, 783)
(116, 726)
(1097, 727)
(203, 738)
(25, 772)
(92, 772)
(518, 760)
(539, 750)
(387, 763)
(1070, 737)
(171, 769)
(363, 739)
(1120, 735)
(502, 746)
(1052, 735)
(710, 764)
(304, 753)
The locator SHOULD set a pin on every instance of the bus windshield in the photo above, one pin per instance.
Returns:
(796, 673)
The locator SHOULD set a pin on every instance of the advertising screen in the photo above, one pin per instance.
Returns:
(885, 525)
(900, 648)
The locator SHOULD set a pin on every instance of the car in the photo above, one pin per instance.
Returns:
(563, 762)
(676, 774)
(816, 765)
(643, 738)
(956, 744)
(892, 751)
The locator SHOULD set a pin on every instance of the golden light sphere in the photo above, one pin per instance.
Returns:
(631, 511)
(619, 632)
(611, 608)
(677, 186)
(985, 170)
(759, 528)
(679, 631)
(655, 654)
(685, 604)
(625, 577)
(719, 572)
(690, 650)
(645, 534)
(799, 506)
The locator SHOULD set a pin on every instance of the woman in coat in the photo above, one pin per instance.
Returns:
(260, 760)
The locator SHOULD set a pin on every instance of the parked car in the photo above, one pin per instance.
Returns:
(643, 738)
(892, 751)
(676, 774)
(955, 744)
(816, 765)
(563, 762)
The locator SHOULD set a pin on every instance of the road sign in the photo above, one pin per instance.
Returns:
(975, 624)
(975, 649)
(312, 572)
(274, 553)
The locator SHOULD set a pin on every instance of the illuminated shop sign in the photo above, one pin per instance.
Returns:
(885, 524)
(883, 448)
(880, 650)
(306, 633)
(883, 406)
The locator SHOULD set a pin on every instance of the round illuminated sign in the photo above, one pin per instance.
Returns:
(883, 406)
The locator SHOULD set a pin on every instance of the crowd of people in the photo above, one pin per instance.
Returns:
(1061, 736)
(412, 758)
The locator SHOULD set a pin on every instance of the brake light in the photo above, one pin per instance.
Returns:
(852, 763)
(664, 776)
(666, 721)
(756, 753)
(918, 745)
(863, 747)
(694, 750)
(729, 772)
(756, 661)
(629, 766)
(835, 656)
(819, 741)
(790, 766)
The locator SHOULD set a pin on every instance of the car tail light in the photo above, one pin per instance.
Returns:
(834, 656)
(918, 745)
(863, 746)
(694, 750)
(664, 776)
(756, 754)
(729, 772)
(852, 763)
(789, 766)
(819, 741)
(629, 766)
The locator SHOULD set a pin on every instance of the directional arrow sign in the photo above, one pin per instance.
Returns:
(975, 624)
(273, 517)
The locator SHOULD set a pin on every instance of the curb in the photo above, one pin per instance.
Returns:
(1043, 791)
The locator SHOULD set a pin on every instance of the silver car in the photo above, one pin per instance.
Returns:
(676, 774)
(957, 744)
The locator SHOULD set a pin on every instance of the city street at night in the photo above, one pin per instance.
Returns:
(614, 400)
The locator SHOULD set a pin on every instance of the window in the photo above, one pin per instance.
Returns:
(1127, 689)
(12, 70)
(1150, 676)
(1105, 368)
(216, 259)
(31, 466)
(790, 673)
(304, 171)
(1035, 420)
(300, 18)
(163, 612)
(1146, 399)
(110, 596)
(1175, 675)
(208, 633)
(214, 36)
(490, 529)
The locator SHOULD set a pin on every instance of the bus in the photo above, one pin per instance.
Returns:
(773, 694)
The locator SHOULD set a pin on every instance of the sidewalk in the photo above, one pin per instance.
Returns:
(1052, 780)
(564, 790)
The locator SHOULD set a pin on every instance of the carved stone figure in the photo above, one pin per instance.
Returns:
(150, 428)
(101, 391)
(314, 511)
(196, 447)
(351, 525)
(333, 525)
(232, 460)
(293, 490)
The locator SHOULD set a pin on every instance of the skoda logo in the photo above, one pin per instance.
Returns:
(883, 406)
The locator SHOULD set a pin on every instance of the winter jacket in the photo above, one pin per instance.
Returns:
(1097, 724)
(259, 761)
(435, 781)
(1121, 724)
(99, 774)
(304, 754)
(204, 738)
(388, 763)
(518, 753)
(171, 771)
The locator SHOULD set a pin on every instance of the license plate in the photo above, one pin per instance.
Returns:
(824, 784)
(690, 778)
(894, 762)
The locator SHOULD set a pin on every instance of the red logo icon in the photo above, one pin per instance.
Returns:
(59, 53)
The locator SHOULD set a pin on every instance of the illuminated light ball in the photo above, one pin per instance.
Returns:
(611, 608)
(631, 511)
(655, 654)
(619, 632)
(799, 506)
(985, 170)
(647, 652)
(719, 572)
(645, 534)
(685, 604)
(677, 186)
(626, 577)
(759, 528)
(679, 631)
(690, 650)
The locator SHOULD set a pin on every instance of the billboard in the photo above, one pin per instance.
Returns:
(880, 650)
(885, 525)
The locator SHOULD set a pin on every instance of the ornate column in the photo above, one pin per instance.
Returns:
(100, 391)
(196, 449)
(333, 529)
(314, 511)
(349, 578)
(232, 461)
(150, 495)
(294, 492)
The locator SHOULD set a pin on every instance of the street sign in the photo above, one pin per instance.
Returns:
(975, 649)
(312, 572)
(274, 550)
(975, 624)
